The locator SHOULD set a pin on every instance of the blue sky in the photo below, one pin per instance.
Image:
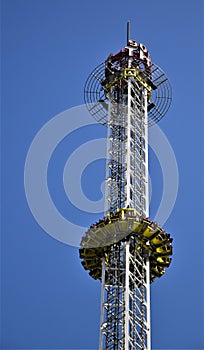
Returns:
(48, 50)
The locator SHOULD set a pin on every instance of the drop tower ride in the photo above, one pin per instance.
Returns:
(126, 250)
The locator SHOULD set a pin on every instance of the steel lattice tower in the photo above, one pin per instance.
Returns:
(125, 249)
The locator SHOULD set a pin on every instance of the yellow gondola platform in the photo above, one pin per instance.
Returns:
(119, 226)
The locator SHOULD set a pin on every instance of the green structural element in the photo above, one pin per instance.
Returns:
(116, 228)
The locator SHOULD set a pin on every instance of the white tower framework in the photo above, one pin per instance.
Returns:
(125, 249)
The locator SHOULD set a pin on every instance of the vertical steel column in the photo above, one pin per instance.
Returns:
(128, 144)
(127, 293)
(102, 303)
(146, 210)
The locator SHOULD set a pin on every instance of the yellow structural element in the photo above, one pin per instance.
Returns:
(118, 226)
(127, 73)
(108, 86)
(132, 72)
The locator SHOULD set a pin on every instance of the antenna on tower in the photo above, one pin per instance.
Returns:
(128, 32)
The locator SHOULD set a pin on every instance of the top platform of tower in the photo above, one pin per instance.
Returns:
(131, 65)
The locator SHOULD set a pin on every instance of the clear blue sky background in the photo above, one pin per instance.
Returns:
(49, 48)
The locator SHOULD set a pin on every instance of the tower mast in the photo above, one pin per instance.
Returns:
(126, 250)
